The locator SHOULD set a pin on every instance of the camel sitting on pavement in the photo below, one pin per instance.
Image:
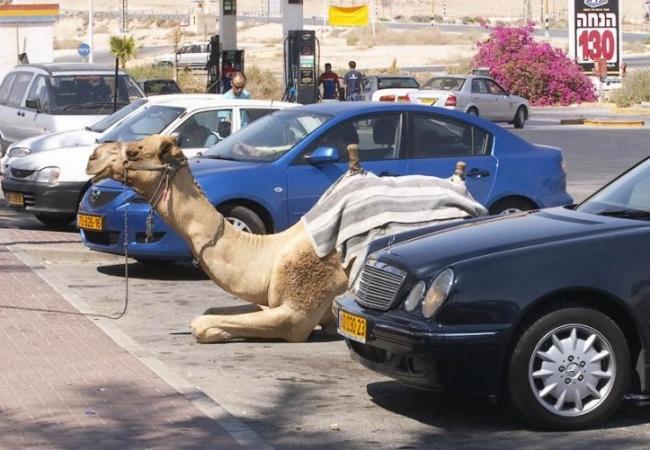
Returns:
(281, 273)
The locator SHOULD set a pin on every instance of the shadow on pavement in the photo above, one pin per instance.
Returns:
(156, 270)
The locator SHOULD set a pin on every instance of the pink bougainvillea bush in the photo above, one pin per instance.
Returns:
(543, 74)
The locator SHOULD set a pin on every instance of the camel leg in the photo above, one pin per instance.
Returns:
(328, 324)
(282, 322)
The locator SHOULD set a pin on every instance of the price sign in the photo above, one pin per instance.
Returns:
(595, 33)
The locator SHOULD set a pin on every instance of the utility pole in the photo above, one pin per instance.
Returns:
(90, 31)
(547, 34)
(528, 10)
(125, 6)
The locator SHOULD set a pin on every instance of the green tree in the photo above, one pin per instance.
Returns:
(123, 48)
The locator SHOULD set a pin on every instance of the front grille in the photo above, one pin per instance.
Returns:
(29, 199)
(20, 173)
(100, 198)
(378, 285)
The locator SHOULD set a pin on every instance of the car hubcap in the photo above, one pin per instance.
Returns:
(238, 224)
(572, 370)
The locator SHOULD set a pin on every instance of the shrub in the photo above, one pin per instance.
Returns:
(636, 89)
(537, 71)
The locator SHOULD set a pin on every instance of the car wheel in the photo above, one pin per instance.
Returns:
(472, 111)
(511, 206)
(55, 221)
(244, 219)
(569, 369)
(520, 118)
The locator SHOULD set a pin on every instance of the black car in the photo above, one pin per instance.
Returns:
(159, 86)
(548, 308)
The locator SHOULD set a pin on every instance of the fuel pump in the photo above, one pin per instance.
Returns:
(214, 74)
(301, 64)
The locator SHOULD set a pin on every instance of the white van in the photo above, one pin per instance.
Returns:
(44, 98)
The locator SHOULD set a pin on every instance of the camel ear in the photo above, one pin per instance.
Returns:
(169, 146)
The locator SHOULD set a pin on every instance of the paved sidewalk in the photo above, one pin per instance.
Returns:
(65, 384)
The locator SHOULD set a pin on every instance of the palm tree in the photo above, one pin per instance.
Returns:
(124, 48)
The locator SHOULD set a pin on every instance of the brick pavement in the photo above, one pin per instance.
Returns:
(65, 384)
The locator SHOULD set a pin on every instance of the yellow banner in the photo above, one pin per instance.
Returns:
(348, 16)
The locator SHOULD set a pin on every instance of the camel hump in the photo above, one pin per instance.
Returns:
(354, 166)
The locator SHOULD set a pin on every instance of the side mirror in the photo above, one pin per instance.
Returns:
(33, 103)
(323, 155)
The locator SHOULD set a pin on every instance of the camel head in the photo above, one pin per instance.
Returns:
(138, 164)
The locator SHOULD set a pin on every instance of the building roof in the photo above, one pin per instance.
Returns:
(52, 68)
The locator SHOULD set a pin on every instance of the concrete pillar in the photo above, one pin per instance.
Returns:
(228, 24)
(291, 16)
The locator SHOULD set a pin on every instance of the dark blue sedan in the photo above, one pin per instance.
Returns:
(549, 308)
(266, 176)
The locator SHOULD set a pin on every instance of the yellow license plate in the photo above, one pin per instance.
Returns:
(88, 222)
(352, 327)
(15, 198)
(428, 101)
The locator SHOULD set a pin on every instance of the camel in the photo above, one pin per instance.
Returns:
(281, 273)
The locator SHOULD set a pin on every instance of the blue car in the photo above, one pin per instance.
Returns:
(266, 176)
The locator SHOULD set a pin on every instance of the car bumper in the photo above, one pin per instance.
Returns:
(40, 198)
(165, 244)
(454, 359)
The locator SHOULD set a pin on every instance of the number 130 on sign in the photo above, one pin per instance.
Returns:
(594, 44)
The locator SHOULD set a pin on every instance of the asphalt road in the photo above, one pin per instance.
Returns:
(312, 395)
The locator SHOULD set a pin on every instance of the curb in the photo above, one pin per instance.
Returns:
(604, 123)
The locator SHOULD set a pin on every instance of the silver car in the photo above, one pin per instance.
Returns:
(473, 94)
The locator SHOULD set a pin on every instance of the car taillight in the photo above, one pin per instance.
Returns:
(451, 100)
(387, 98)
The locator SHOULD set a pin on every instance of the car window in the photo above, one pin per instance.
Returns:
(90, 94)
(158, 87)
(204, 129)
(18, 88)
(5, 87)
(377, 137)
(250, 115)
(151, 119)
(432, 136)
(494, 88)
(478, 87)
(109, 121)
(40, 91)
(444, 83)
(398, 83)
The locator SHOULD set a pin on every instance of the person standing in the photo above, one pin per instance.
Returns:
(330, 82)
(238, 88)
(353, 83)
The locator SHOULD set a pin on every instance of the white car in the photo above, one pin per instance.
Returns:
(192, 55)
(50, 184)
(473, 94)
(68, 139)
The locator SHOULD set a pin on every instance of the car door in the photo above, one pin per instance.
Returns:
(17, 125)
(504, 110)
(37, 121)
(203, 129)
(482, 99)
(436, 143)
(7, 118)
(379, 138)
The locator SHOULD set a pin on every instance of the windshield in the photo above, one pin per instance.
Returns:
(627, 196)
(151, 119)
(444, 84)
(89, 94)
(398, 83)
(268, 138)
(109, 121)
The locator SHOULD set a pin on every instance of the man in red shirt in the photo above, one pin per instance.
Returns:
(330, 82)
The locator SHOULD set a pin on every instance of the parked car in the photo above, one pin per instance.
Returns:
(548, 308)
(267, 176)
(50, 184)
(386, 88)
(473, 94)
(159, 86)
(44, 98)
(68, 139)
(191, 55)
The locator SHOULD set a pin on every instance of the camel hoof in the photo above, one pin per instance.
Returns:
(213, 335)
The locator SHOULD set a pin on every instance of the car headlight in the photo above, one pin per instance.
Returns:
(17, 152)
(437, 293)
(415, 296)
(48, 175)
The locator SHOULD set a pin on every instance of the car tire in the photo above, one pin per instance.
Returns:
(472, 111)
(55, 221)
(244, 219)
(520, 118)
(511, 206)
(569, 369)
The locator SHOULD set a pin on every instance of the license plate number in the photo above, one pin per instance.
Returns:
(428, 101)
(88, 222)
(352, 327)
(15, 198)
